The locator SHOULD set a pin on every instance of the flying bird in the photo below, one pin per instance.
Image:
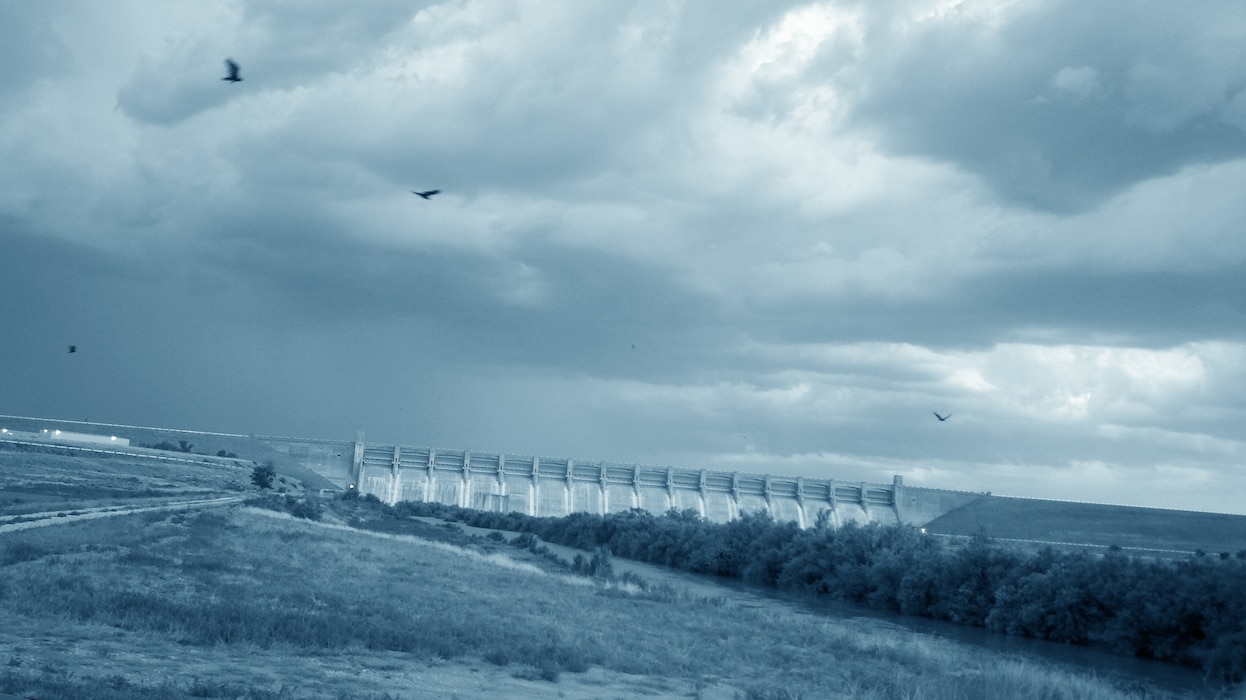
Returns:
(942, 418)
(233, 71)
(73, 349)
(425, 194)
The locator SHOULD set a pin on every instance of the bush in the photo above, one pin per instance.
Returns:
(263, 475)
(525, 541)
(306, 509)
(18, 552)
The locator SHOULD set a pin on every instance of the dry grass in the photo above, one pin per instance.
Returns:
(1096, 524)
(42, 479)
(234, 604)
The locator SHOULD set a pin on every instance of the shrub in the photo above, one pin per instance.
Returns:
(18, 552)
(525, 541)
(263, 475)
(306, 509)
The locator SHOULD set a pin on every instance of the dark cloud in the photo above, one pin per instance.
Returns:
(1152, 309)
(168, 89)
(1046, 109)
(1147, 309)
(279, 47)
(539, 306)
(733, 235)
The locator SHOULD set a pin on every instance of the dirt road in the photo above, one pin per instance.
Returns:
(26, 521)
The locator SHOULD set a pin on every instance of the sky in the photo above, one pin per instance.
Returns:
(758, 237)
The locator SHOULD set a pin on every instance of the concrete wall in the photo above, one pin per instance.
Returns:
(918, 506)
(544, 486)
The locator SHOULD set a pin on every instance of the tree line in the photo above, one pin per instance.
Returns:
(1189, 611)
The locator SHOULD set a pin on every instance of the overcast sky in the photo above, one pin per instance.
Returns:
(758, 237)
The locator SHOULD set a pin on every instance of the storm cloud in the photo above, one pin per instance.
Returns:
(760, 238)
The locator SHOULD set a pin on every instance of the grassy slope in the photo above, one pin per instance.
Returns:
(47, 478)
(1089, 523)
(35, 474)
(238, 603)
(234, 604)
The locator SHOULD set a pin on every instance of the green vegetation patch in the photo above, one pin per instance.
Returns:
(239, 580)
(1190, 611)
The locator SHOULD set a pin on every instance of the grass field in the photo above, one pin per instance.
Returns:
(40, 479)
(1095, 524)
(238, 602)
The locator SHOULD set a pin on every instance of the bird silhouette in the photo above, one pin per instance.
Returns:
(942, 418)
(73, 349)
(233, 71)
(425, 194)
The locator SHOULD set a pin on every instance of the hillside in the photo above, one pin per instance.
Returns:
(1094, 524)
(241, 602)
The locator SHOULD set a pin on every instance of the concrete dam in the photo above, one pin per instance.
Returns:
(543, 486)
(538, 486)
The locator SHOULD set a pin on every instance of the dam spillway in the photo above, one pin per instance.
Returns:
(543, 486)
